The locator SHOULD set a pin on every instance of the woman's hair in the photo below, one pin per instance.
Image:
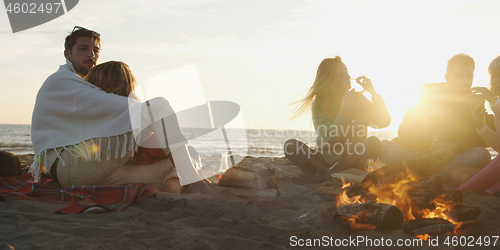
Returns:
(494, 69)
(112, 77)
(320, 93)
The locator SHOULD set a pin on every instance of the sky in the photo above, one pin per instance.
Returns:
(260, 54)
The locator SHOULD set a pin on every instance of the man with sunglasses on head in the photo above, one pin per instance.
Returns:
(82, 49)
(83, 135)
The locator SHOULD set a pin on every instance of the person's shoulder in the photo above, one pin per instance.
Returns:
(63, 72)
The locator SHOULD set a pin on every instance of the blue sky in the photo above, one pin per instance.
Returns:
(260, 54)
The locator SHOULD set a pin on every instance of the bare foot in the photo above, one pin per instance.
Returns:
(203, 188)
(190, 196)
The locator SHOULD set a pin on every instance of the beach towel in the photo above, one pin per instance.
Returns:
(78, 198)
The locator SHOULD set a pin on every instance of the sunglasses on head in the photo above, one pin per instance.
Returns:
(85, 29)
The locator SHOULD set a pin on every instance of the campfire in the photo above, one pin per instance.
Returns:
(405, 197)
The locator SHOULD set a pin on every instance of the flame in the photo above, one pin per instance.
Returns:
(343, 198)
(423, 237)
(344, 184)
(394, 190)
(353, 223)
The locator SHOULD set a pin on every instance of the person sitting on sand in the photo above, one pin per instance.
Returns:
(442, 119)
(341, 117)
(83, 135)
(488, 179)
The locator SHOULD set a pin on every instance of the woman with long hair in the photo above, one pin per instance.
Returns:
(340, 116)
(487, 179)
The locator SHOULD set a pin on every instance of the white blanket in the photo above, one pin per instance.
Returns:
(68, 110)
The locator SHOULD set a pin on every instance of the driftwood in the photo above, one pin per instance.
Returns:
(244, 178)
(253, 186)
(330, 192)
(252, 195)
(428, 226)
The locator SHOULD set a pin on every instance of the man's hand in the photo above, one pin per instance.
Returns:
(441, 144)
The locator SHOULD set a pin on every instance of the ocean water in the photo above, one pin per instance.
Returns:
(16, 139)
(252, 142)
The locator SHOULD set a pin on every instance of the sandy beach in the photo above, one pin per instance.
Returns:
(199, 224)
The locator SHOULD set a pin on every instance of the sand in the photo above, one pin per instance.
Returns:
(199, 224)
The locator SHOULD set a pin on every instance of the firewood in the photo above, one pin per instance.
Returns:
(327, 192)
(330, 192)
(428, 226)
(252, 195)
(462, 212)
(242, 177)
(383, 216)
(383, 177)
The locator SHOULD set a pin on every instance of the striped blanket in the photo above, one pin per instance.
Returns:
(78, 198)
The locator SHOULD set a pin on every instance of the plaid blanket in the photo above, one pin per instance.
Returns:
(79, 198)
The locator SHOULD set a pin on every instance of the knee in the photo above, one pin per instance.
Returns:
(483, 156)
(160, 107)
(373, 141)
(477, 157)
(373, 146)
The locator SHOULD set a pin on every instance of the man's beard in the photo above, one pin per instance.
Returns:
(82, 71)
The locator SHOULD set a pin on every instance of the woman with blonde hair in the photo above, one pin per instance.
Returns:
(486, 180)
(340, 116)
(113, 77)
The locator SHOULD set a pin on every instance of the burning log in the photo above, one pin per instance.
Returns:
(383, 177)
(421, 193)
(383, 216)
(330, 192)
(462, 213)
(428, 226)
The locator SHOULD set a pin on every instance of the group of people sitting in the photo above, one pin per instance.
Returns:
(449, 115)
(89, 129)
